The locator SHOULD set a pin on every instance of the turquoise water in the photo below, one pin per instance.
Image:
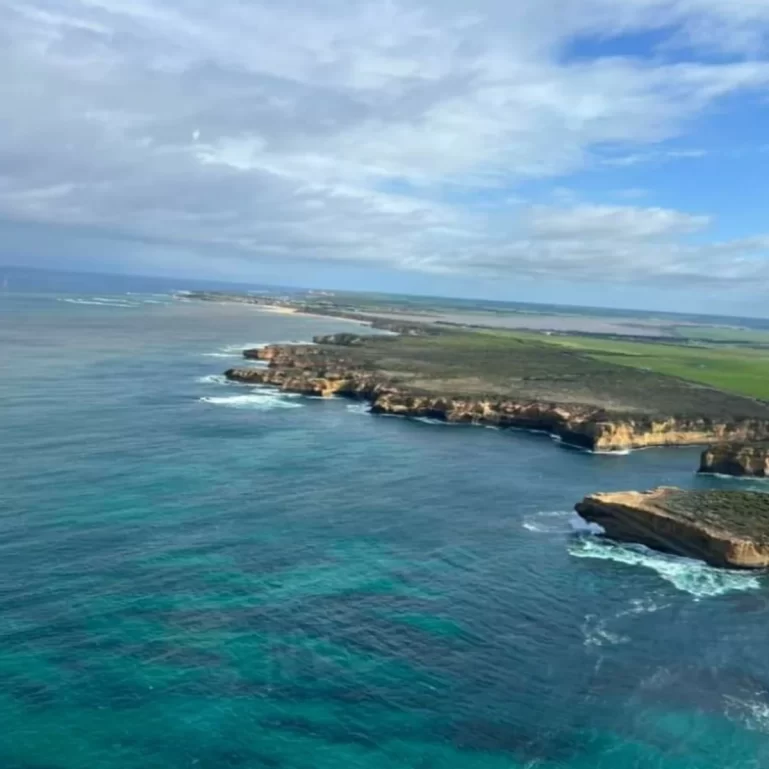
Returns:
(196, 574)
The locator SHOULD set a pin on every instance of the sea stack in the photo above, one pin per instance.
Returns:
(749, 460)
(728, 529)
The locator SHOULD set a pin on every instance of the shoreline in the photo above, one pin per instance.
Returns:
(726, 529)
(461, 377)
(276, 310)
(347, 365)
(588, 431)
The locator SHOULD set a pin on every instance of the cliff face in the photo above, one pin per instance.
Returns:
(586, 427)
(751, 460)
(283, 354)
(726, 529)
(325, 382)
(681, 431)
(338, 365)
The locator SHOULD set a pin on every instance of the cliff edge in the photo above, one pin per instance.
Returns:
(742, 460)
(724, 528)
(478, 379)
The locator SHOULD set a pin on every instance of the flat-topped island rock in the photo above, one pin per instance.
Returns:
(749, 460)
(723, 528)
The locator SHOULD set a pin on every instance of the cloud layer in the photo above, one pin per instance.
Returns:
(348, 132)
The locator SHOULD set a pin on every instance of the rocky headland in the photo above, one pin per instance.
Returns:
(599, 407)
(749, 460)
(403, 327)
(723, 528)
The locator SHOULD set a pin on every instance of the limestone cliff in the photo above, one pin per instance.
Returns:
(723, 528)
(281, 352)
(339, 365)
(586, 427)
(325, 382)
(751, 459)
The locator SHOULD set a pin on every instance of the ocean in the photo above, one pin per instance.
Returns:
(202, 575)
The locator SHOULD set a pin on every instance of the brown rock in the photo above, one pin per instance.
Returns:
(723, 528)
(751, 460)
(328, 369)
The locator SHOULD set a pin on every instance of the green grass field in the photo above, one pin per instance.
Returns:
(560, 369)
(734, 369)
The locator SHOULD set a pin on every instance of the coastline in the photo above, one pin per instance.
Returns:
(465, 376)
(726, 529)
(319, 371)
(278, 310)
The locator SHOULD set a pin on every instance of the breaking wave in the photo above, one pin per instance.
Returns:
(128, 300)
(432, 421)
(690, 576)
(259, 401)
(98, 302)
(549, 522)
(751, 713)
(217, 379)
(559, 522)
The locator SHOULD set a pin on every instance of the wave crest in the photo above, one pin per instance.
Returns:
(259, 401)
(690, 576)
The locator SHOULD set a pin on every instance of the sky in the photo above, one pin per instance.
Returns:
(602, 152)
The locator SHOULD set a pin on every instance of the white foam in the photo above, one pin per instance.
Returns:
(751, 713)
(156, 298)
(690, 576)
(98, 302)
(559, 439)
(430, 421)
(559, 522)
(260, 401)
(597, 630)
(759, 480)
(597, 633)
(114, 301)
(579, 525)
(217, 379)
(643, 606)
(549, 522)
(359, 408)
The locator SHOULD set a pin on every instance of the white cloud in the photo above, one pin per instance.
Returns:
(299, 130)
(616, 222)
(653, 156)
(624, 244)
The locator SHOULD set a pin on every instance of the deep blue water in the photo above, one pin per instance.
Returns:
(196, 574)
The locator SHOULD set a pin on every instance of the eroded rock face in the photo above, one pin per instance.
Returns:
(749, 460)
(724, 528)
(325, 383)
(681, 431)
(288, 354)
(323, 369)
